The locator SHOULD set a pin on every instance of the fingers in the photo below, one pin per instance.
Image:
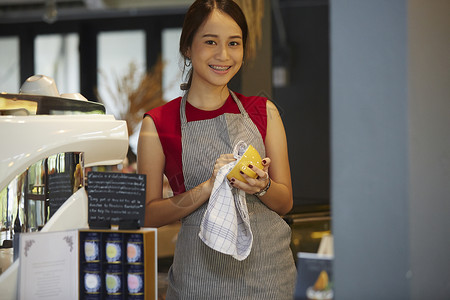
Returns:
(266, 163)
(223, 160)
(228, 156)
(253, 185)
(260, 173)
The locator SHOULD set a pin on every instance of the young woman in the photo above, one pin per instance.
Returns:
(190, 138)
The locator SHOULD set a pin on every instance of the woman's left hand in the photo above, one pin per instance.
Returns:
(254, 185)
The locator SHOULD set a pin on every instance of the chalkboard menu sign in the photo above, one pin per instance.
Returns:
(116, 197)
(59, 190)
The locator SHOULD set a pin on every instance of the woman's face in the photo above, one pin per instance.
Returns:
(216, 51)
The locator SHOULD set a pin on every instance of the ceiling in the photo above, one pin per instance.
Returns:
(14, 11)
(23, 11)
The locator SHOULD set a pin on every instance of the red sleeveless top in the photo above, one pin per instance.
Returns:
(168, 125)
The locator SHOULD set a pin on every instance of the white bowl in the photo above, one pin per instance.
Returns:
(39, 85)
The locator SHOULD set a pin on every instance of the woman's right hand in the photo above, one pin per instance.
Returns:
(223, 160)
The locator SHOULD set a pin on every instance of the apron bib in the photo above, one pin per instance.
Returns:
(199, 272)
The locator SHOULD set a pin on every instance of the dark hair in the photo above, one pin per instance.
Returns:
(198, 12)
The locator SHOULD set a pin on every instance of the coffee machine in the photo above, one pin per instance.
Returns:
(47, 144)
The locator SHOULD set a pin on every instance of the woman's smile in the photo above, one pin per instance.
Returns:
(220, 69)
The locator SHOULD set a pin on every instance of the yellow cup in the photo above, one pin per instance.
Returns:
(250, 157)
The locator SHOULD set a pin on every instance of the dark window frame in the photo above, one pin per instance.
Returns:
(88, 30)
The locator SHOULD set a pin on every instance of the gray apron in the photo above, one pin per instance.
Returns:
(199, 272)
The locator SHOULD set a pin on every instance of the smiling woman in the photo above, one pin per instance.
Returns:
(218, 54)
(190, 140)
(195, 18)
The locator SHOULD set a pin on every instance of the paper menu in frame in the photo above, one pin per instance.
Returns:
(48, 265)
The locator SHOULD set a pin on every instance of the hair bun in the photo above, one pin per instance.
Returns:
(184, 86)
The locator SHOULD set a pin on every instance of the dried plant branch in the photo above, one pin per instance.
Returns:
(254, 13)
(134, 94)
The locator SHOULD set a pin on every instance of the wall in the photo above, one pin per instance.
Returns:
(429, 147)
(390, 149)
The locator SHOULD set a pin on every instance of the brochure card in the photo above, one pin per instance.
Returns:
(48, 265)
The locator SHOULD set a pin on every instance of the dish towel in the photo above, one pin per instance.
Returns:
(225, 226)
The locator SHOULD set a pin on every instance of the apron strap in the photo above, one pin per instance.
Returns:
(239, 104)
(183, 107)
(183, 110)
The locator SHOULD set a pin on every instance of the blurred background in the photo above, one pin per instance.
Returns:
(105, 48)
(124, 54)
(363, 90)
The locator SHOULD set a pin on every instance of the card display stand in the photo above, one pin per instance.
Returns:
(314, 277)
(118, 264)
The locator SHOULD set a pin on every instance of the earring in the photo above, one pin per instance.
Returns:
(187, 62)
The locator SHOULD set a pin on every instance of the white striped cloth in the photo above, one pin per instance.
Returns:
(225, 226)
